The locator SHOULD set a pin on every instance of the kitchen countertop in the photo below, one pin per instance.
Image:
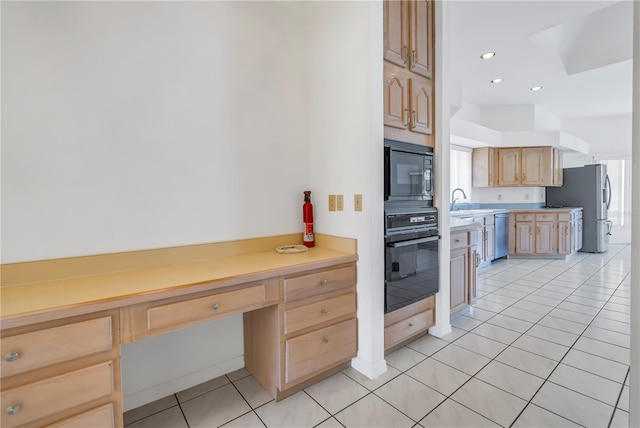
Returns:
(457, 224)
(467, 213)
(24, 303)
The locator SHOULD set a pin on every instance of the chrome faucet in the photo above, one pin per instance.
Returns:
(453, 200)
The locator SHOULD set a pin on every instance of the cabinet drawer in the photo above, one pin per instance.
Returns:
(525, 216)
(204, 308)
(98, 417)
(313, 284)
(459, 240)
(564, 216)
(489, 219)
(319, 312)
(406, 328)
(29, 351)
(50, 396)
(318, 350)
(545, 217)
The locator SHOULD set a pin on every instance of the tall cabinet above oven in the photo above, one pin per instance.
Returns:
(411, 239)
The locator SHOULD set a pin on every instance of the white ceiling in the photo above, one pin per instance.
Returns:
(579, 51)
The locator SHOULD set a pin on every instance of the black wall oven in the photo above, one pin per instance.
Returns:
(411, 255)
(408, 172)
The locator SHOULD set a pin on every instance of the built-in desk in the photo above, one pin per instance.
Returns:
(63, 321)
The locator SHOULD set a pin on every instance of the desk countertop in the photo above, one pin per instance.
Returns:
(25, 303)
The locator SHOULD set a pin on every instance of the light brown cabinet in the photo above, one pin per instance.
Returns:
(517, 166)
(408, 71)
(310, 334)
(486, 238)
(408, 323)
(463, 264)
(484, 164)
(408, 35)
(75, 360)
(544, 233)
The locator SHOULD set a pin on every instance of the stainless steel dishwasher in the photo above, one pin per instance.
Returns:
(502, 235)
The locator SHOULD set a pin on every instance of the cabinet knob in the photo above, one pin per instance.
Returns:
(325, 311)
(12, 410)
(410, 324)
(324, 282)
(11, 356)
(215, 306)
(325, 340)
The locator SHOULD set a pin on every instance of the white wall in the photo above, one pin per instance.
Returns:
(509, 118)
(346, 134)
(508, 195)
(605, 135)
(135, 125)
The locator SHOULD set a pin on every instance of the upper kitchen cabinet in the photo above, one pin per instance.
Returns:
(408, 71)
(484, 164)
(408, 35)
(517, 166)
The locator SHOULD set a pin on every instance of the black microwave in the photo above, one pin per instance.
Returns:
(408, 172)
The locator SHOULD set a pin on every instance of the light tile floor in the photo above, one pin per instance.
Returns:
(546, 345)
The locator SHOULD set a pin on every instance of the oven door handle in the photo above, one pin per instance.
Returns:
(413, 241)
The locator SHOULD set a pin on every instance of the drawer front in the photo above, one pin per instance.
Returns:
(54, 345)
(315, 351)
(489, 219)
(319, 312)
(564, 216)
(404, 329)
(459, 240)
(545, 217)
(525, 216)
(98, 417)
(319, 283)
(203, 308)
(50, 396)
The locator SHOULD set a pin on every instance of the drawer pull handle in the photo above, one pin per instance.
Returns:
(325, 340)
(324, 282)
(12, 356)
(215, 306)
(410, 324)
(325, 311)
(457, 240)
(12, 410)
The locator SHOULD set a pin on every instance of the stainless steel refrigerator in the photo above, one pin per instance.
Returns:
(587, 187)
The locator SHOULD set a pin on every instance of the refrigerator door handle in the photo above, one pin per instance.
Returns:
(608, 187)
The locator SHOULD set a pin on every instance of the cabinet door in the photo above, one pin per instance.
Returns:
(564, 237)
(421, 37)
(396, 32)
(524, 237)
(533, 166)
(474, 261)
(509, 167)
(459, 274)
(557, 167)
(489, 242)
(545, 237)
(578, 234)
(396, 103)
(483, 165)
(421, 105)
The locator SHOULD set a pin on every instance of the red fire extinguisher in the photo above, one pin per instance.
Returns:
(307, 219)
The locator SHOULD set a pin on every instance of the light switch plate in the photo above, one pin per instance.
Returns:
(332, 202)
(357, 202)
(340, 202)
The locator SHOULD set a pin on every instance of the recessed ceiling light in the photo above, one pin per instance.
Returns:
(498, 80)
(536, 88)
(488, 55)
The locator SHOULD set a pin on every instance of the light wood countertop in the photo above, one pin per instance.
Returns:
(25, 303)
